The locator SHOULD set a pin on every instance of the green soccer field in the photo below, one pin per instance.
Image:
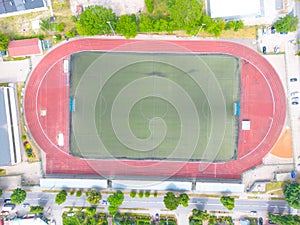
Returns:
(154, 106)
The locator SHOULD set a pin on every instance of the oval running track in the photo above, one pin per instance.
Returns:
(262, 101)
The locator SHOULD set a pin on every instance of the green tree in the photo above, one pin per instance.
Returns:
(228, 202)
(18, 196)
(60, 27)
(185, 14)
(292, 195)
(133, 194)
(94, 20)
(238, 25)
(61, 197)
(78, 193)
(4, 41)
(93, 197)
(147, 194)
(71, 33)
(1, 192)
(126, 26)
(289, 23)
(112, 210)
(141, 194)
(146, 23)
(199, 215)
(91, 211)
(149, 5)
(171, 201)
(184, 199)
(36, 209)
(284, 219)
(155, 194)
(116, 199)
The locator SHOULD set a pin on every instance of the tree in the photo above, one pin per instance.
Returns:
(133, 194)
(94, 20)
(292, 195)
(147, 194)
(238, 25)
(18, 196)
(36, 209)
(289, 23)
(71, 33)
(184, 200)
(60, 27)
(141, 194)
(61, 197)
(78, 193)
(126, 26)
(199, 215)
(93, 197)
(146, 23)
(171, 201)
(149, 5)
(116, 199)
(1, 192)
(4, 41)
(228, 202)
(284, 219)
(91, 211)
(112, 210)
(185, 14)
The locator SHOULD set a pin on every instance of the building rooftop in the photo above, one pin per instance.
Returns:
(4, 139)
(11, 6)
(25, 47)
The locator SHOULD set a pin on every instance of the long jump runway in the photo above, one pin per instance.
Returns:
(262, 102)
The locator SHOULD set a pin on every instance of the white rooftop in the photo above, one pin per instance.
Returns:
(220, 187)
(246, 125)
(30, 221)
(233, 8)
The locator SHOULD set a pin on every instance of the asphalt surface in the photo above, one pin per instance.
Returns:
(242, 206)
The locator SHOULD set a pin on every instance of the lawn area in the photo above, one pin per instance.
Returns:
(274, 186)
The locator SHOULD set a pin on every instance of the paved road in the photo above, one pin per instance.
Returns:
(242, 206)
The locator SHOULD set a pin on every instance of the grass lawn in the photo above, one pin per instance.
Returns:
(116, 79)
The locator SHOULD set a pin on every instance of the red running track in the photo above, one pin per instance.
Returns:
(262, 102)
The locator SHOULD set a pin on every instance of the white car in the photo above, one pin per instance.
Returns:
(25, 205)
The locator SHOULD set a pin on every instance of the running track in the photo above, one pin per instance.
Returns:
(262, 102)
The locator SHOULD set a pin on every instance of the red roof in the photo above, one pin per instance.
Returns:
(25, 47)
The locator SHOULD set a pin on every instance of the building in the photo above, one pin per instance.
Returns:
(26, 47)
(26, 221)
(16, 7)
(10, 151)
(252, 12)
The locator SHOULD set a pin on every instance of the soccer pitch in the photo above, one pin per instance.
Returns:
(160, 106)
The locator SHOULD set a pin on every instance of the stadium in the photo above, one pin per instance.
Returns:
(152, 108)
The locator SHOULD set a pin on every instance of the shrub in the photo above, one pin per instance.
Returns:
(133, 194)
(72, 193)
(58, 37)
(23, 137)
(149, 5)
(36, 209)
(61, 197)
(60, 27)
(155, 194)
(141, 194)
(147, 194)
(78, 193)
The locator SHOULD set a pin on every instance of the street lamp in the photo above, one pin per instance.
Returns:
(108, 22)
(203, 24)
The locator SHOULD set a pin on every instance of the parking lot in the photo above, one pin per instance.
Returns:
(273, 41)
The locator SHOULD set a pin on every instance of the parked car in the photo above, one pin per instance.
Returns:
(295, 98)
(253, 213)
(294, 79)
(104, 202)
(295, 103)
(273, 30)
(25, 205)
(156, 216)
(260, 221)
(264, 49)
(294, 93)
(7, 200)
(70, 214)
(264, 31)
(276, 49)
